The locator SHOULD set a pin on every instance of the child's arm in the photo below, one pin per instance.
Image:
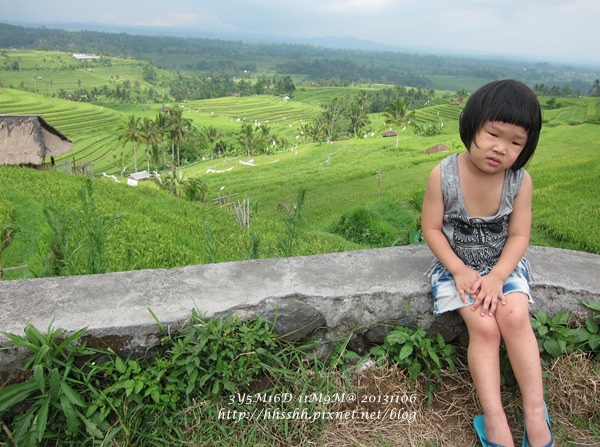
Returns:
(519, 228)
(431, 225)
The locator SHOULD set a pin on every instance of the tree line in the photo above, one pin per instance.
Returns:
(310, 63)
(171, 140)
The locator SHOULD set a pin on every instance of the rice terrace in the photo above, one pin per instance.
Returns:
(245, 152)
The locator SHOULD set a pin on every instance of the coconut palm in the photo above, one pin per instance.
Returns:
(129, 132)
(358, 118)
(363, 99)
(162, 131)
(179, 128)
(210, 134)
(397, 113)
(248, 138)
(149, 135)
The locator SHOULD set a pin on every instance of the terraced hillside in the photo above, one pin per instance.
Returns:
(91, 128)
(48, 72)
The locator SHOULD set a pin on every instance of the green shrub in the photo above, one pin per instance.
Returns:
(554, 334)
(51, 400)
(588, 334)
(565, 334)
(360, 226)
(418, 352)
(76, 393)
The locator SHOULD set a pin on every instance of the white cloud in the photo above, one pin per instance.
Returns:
(535, 28)
(355, 6)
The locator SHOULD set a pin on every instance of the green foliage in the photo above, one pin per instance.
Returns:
(210, 357)
(381, 224)
(554, 334)
(564, 334)
(51, 401)
(418, 352)
(362, 227)
(78, 239)
(6, 234)
(178, 392)
(6, 210)
(212, 252)
(161, 232)
(288, 241)
(428, 130)
(588, 334)
(416, 236)
(254, 245)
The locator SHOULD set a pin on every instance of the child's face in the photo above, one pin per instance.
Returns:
(497, 145)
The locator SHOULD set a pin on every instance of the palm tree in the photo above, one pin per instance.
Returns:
(398, 114)
(248, 138)
(179, 128)
(149, 135)
(330, 119)
(162, 130)
(358, 118)
(210, 134)
(129, 132)
(363, 99)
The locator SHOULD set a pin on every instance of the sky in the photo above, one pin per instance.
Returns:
(538, 30)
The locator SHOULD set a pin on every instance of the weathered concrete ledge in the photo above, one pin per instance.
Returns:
(325, 296)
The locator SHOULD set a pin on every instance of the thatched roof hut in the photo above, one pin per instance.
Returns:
(437, 148)
(29, 139)
(389, 133)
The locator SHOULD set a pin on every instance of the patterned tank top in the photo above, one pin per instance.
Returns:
(477, 241)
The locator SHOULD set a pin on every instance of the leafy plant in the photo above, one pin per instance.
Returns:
(554, 334)
(588, 335)
(418, 352)
(416, 236)
(221, 354)
(50, 401)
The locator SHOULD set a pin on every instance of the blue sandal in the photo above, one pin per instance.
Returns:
(551, 443)
(480, 429)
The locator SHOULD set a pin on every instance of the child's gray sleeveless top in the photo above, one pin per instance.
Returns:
(478, 241)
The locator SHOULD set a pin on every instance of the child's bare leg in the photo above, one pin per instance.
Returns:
(484, 364)
(522, 348)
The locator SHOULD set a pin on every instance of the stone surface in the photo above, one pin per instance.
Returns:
(363, 293)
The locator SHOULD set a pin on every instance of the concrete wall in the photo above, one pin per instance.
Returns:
(325, 296)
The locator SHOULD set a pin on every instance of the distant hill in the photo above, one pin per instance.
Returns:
(307, 60)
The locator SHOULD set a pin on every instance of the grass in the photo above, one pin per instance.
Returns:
(227, 382)
(160, 231)
(47, 72)
(369, 175)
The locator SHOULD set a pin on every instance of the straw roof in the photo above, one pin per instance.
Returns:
(28, 139)
(437, 148)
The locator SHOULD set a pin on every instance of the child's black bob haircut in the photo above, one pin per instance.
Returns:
(508, 101)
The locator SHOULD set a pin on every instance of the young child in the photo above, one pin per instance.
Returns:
(476, 221)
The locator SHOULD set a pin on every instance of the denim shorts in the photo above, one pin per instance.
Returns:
(446, 298)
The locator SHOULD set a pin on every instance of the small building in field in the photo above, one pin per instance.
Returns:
(85, 57)
(136, 177)
(29, 140)
(389, 133)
